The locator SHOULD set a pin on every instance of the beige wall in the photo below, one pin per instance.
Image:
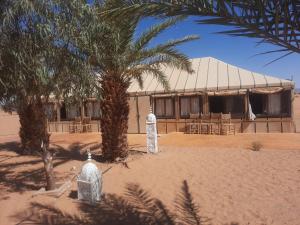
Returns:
(139, 109)
(9, 123)
(297, 112)
(132, 120)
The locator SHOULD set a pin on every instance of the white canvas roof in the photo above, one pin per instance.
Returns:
(209, 74)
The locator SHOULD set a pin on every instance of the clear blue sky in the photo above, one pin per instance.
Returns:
(238, 51)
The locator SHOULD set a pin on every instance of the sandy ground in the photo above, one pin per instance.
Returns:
(230, 183)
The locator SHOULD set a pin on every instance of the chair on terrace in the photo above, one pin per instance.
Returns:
(86, 123)
(193, 127)
(215, 119)
(227, 127)
(205, 124)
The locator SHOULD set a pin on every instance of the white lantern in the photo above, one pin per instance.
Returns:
(89, 182)
(151, 133)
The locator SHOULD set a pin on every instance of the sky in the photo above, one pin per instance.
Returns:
(238, 51)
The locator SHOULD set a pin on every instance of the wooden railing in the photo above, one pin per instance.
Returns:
(266, 125)
(64, 126)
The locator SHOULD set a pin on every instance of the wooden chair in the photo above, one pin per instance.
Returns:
(227, 127)
(215, 119)
(205, 124)
(86, 123)
(77, 119)
(194, 125)
(76, 125)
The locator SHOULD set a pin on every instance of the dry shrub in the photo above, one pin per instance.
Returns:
(256, 146)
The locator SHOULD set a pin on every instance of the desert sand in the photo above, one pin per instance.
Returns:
(230, 183)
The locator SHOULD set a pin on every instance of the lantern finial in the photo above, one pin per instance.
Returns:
(89, 155)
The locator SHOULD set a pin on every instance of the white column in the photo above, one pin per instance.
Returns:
(152, 146)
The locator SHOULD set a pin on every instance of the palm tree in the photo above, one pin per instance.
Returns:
(119, 58)
(36, 60)
(273, 21)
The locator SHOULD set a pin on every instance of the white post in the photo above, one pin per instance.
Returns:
(151, 133)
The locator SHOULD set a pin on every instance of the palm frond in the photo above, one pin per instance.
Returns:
(164, 54)
(274, 60)
(153, 210)
(152, 32)
(176, 42)
(175, 59)
(275, 22)
(188, 210)
(138, 72)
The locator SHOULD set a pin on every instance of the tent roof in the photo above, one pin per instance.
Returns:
(209, 74)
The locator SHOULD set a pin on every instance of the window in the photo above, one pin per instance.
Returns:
(277, 104)
(190, 105)
(50, 112)
(233, 104)
(63, 112)
(96, 112)
(72, 111)
(164, 107)
(257, 102)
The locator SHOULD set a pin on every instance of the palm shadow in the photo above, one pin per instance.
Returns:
(12, 146)
(135, 207)
(76, 151)
(14, 178)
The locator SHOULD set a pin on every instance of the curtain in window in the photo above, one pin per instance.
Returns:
(233, 104)
(251, 115)
(228, 104)
(169, 107)
(49, 109)
(89, 109)
(286, 102)
(96, 109)
(195, 106)
(159, 107)
(185, 106)
(274, 104)
(72, 111)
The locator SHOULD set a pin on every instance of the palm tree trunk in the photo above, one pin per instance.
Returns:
(33, 128)
(114, 118)
(48, 165)
(33, 132)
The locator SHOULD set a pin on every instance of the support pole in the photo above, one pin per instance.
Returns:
(82, 109)
(246, 105)
(205, 104)
(177, 111)
(292, 109)
(137, 114)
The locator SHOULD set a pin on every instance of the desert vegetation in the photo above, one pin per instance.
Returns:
(69, 50)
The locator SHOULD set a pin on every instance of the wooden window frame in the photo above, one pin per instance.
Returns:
(190, 103)
(234, 115)
(164, 116)
(281, 115)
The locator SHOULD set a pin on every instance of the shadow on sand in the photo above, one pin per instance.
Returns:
(13, 175)
(136, 207)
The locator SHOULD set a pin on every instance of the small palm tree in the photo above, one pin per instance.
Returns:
(119, 58)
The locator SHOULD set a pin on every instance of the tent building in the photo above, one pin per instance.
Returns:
(256, 102)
